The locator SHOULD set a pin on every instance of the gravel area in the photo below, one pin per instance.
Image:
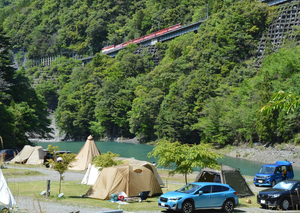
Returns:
(49, 174)
(267, 154)
(32, 205)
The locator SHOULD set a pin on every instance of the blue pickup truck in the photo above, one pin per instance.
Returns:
(271, 174)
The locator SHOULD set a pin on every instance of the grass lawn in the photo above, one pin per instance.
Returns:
(73, 190)
(72, 194)
(14, 173)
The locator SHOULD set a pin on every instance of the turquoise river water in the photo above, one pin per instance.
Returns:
(140, 152)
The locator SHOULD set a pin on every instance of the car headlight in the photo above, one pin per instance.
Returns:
(267, 177)
(274, 195)
(174, 198)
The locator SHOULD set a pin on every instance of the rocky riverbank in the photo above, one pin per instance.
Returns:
(264, 154)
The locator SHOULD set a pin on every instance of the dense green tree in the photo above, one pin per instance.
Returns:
(76, 103)
(115, 97)
(106, 160)
(23, 112)
(144, 112)
(183, 158)
(278, 76)
(282, 101)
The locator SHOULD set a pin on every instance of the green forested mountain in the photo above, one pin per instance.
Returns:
(47, 26)
(205, 88)
(22, 112)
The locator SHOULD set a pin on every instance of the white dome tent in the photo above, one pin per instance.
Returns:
(6, 198)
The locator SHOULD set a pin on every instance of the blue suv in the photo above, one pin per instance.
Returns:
(200, 195)
(271, 174)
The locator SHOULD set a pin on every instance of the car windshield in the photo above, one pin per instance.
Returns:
(266, 170)
(189, 189)
(284, 185)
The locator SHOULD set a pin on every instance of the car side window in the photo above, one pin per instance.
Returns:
(283, 168)
(206, 189)
(217, 188)
(277, 169)
(289, 168)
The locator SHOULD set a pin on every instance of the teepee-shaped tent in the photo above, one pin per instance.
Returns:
(6, 198)
(85, 155)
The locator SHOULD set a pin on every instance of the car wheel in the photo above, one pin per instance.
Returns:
(228, 206)
(273, 183)
(285, 204)
(264, 206)
(187, 207)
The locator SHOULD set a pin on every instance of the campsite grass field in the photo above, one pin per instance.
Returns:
(13, 173)
(73, 190)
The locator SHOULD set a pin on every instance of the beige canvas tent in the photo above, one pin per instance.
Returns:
(131, 179)
(23, 155)
(147, 165)
(37, 156)
(30, 155)
(85, 155)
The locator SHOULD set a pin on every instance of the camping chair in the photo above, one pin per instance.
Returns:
(143, 195)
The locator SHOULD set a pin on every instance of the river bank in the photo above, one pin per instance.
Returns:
(263, 154)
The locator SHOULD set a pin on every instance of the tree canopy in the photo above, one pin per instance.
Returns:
(106, 160)
(205, 88)
(23, 112)
(184, 158)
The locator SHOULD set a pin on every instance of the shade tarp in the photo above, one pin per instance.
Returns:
(23, 155)
(131, 179)
(228, 175)
(91, 175)
(6, 198)
(85, 155)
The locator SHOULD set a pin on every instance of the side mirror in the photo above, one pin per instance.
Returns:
(200, 193)
(278, 172)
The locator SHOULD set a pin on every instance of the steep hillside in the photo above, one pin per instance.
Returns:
(41, 27)
(205, 88)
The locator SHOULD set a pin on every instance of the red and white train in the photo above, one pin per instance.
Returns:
(140, 39)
